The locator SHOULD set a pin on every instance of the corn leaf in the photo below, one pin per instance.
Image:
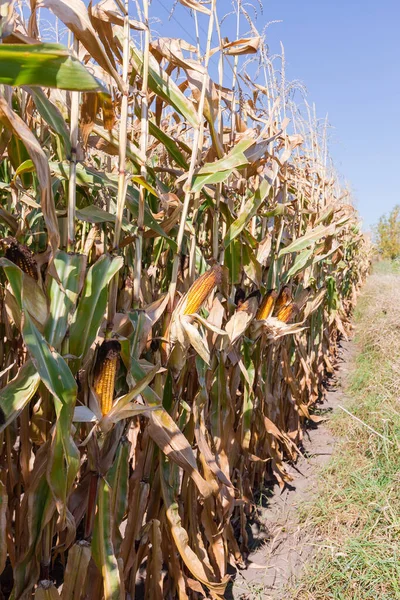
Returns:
(52, 116)
(167, 435)
(314, 235)
(102, 547)
(76, 571)
(118, 479)
(17, 393)
(23, 284)
(70, 269)
(164, 86)
(89, 178)
(54, 372)
(180, 536)
(74, 14)
(89, 314)
(249, 210)
(46, 65)
(14, 123)
(3, 523)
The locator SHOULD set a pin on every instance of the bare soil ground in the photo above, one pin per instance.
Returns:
(282, 542)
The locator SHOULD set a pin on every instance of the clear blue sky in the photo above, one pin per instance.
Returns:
(347, 53)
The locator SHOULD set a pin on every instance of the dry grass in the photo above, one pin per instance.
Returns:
(357, 511)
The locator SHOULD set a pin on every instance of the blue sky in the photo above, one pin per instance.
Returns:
(347, 53)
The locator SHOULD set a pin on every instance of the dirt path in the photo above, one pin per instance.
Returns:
(281, 545)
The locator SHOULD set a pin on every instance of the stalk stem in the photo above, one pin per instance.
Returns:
(193, 161)
(144, 135)
(74, 126)
(122, 187)
(234, 79)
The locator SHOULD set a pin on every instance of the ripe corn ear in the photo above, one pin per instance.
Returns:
(283, 299)
(201, 289)
(105, 372)
(267, 305)
(46, 590)
(21, 256)
(286, 313)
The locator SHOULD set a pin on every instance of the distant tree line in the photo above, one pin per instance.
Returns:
(387, 234)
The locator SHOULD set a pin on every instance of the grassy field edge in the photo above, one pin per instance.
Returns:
(357, 509)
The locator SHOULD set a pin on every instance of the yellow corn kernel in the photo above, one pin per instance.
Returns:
(267, 305)
(105, 372)
(201, 289)
(286, 313)
(21, 256)
(283, 299)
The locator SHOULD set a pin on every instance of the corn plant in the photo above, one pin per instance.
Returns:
(177, 262)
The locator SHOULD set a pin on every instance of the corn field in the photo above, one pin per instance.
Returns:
(178, 261)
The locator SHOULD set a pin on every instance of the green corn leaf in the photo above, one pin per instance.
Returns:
(248, 396)
(90, 312)
(309, 238)
(300, 262)
(52, 368)
(44, 65)
(70, 270)
(52, 116)
(118, 479)
(164, 86)
(167, 141)
(64, 458)
(102, 546)
(250, 210)
(94, 214)
(35, 301)
(235, 159)
(199, 180)
(25, 167)
(233, 260)
(220, 170)
(17, 393)
(90, 178)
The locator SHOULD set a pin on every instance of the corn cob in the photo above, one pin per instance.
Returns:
(75, 574)
(201, 289)
(267, 305)
(20, 255)
(46, 590)
(286, 313)
(283, 299)
(105, 371)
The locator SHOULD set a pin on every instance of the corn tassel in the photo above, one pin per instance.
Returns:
(286, 313)
(201, 289)
(105, 372)
(20, 255)
(267, 305)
